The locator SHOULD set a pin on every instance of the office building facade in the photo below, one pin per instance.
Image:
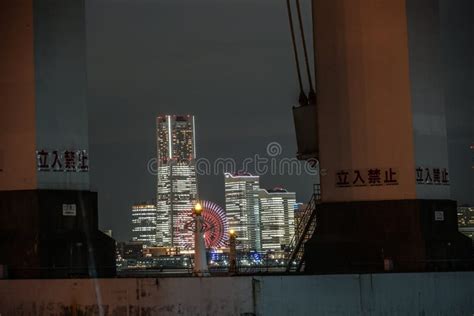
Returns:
(144, 223)
(176, 183)
(277, 218)
(243, 210)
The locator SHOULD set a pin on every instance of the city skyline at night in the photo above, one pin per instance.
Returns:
(263, 219)
(238, 157)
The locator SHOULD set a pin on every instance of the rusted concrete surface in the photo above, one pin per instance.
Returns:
(369, 294)
(163, 296)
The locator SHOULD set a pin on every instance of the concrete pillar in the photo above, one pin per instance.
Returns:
(382, 135)
(45, 202)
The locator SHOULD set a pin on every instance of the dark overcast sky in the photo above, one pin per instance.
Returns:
(230, 64)
(227, 62)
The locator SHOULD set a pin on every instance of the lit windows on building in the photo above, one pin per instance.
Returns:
(176, 181)
(144, 223)
(242, 209)
(277, 209)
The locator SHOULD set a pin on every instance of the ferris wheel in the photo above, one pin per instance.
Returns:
(215, 225)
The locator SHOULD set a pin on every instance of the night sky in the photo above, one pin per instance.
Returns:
(227, 62)
(230, 64)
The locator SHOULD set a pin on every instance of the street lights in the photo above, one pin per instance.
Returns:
(200, 261)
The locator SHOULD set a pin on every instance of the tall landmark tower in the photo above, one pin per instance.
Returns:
(177, 184)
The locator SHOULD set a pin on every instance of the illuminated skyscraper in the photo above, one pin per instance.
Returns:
(242, 208)
(277, 218)
(177, 186)
(144, 223)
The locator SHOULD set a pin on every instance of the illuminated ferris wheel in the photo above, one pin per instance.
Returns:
(215, 225)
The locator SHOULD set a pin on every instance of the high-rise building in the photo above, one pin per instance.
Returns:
(144, 223)
(242, 208)
(277, 218)
(177, 185)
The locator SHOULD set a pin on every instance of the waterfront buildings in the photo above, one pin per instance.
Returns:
(263, 219)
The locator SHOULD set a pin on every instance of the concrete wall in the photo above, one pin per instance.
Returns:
(380, 294)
